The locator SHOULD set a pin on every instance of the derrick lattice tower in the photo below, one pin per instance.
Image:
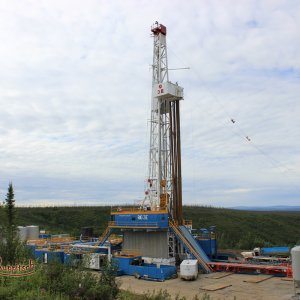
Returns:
(164, 189)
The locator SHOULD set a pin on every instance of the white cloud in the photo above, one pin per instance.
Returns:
(75, 97)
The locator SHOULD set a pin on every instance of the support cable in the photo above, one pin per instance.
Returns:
(274, 162)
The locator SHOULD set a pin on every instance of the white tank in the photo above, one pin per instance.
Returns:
(296, 264)
(33, 232)
(189, 269)
(22, 233)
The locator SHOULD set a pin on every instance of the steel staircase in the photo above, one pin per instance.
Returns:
(192, 241)
(191, 246)
(107, 232)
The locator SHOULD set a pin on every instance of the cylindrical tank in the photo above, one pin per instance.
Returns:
(33, 232)
(296, 264)
(22, 233)
(275, 251)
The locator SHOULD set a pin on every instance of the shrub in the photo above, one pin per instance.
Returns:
(57, 281)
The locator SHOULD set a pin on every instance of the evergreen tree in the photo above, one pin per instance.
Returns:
(10, 208)
(10, 233)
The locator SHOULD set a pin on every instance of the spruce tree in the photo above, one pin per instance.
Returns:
(10, 229)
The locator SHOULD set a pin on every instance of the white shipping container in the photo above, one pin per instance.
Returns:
(189, 269)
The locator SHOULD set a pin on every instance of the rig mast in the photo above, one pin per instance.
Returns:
(164, 178)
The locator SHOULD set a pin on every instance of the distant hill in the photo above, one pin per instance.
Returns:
(239, 229)
(268, 208)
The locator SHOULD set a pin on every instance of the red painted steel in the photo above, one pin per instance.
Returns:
(280, 270)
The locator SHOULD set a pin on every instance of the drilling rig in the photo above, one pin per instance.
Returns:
(156, 228)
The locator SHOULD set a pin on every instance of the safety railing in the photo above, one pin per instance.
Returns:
(187, 222)
(134, 224)
(104, 235)
(205, 236)
(116, 210)
(190, 247)
(128, 253)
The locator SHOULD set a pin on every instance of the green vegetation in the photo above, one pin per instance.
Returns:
(51, 281)
(57, 281)
(248, 229)
(11, 249)
(235, 229)
(65, 219)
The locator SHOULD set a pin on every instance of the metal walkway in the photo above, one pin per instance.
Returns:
(188, 242)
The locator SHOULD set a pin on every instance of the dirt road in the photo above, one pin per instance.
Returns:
(243, 287)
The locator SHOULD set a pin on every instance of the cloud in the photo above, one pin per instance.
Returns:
(75, 99)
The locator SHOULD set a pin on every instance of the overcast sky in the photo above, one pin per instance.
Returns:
(75, 93)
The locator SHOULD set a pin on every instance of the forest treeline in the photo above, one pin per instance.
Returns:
(235, 229)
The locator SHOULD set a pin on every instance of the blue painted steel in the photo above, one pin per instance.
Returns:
(213, 247)
(158, 220)
(205, 245)
(193, 242)
(206, 239)
(209, 246)
(44, 236)
(134, 265)
(116, 247)
(72, 259)
(275, 250)
(45, 255)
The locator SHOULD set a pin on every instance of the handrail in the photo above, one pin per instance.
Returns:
(130, 224)
(190, 247)
(187, 222)
(128, 253)
(104, 234)
(136, 209)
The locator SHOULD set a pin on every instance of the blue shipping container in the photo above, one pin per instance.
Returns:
(128, 266)
(46, 256)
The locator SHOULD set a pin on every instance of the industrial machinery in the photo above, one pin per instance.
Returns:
(156, 227)
(155, 235)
